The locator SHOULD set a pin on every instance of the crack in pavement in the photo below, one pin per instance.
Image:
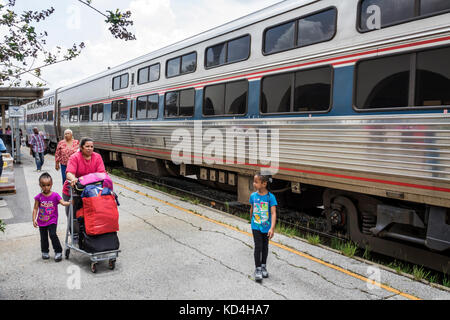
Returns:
(199, 251)
(325, 278)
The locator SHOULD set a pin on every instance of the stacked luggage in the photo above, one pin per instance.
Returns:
(96, 219)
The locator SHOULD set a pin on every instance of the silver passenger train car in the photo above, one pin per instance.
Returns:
(350, 96)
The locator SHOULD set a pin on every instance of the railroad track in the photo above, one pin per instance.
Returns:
(197, 192)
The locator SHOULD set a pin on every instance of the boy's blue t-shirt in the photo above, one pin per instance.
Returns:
(261, 217)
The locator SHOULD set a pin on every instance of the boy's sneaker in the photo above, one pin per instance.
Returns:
(264, 272)
(258, 274)
(58, 257)
(45, 255)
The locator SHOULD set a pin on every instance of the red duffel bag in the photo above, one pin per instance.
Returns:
(100, 214)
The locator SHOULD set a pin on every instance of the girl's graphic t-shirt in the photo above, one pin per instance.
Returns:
(48, 209)
(261, 217)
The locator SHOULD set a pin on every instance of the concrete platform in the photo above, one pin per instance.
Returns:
(176, 250)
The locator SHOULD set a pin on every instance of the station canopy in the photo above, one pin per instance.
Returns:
(19, 96)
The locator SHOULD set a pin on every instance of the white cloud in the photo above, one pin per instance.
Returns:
(157, 23)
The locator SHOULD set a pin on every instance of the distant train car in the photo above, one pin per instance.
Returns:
(40, 114)
(351, 96)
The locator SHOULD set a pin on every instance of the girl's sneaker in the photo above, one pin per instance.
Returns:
(58, 257)
(45, 255)
(264, 272)
(258, 274)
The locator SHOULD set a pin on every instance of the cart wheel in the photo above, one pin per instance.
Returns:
(112, 264)
(94, 267)
(67, 253)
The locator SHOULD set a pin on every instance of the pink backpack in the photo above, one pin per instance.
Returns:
(95, 178)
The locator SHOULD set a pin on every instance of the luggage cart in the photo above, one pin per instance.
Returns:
(73, 244)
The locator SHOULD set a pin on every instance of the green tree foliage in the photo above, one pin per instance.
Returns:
(22, 44)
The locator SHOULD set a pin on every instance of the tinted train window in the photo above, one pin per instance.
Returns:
(226, 99)
(119, 110)
(312, 91)
(214, 100)
(433, 78)
(228, 52)
(97, 112)
(149, 74)
(44, 116)
(179, 103)
(50, 116)
(432, 6)
(276, 95)
(215, 56)
(383, 83)
(236, 97)
(84, 113)
(147, 107)
(120, 82)
(280, 38)
(386, 82)
(376, 14)
(73, 115)
(314, 28)
(181, 65)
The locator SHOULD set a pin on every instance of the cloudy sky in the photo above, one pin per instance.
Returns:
(157, 23)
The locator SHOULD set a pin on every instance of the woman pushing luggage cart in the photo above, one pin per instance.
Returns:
(80, 165)
(92, 228)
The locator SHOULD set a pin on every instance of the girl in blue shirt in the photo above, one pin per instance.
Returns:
(263, 215)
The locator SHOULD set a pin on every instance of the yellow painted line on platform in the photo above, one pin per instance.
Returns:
(281, 246)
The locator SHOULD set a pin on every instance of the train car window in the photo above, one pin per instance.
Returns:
(141, 108)
(279, 38)
(312, 90)
(276, 93)
(383, 82)
(433, 6)
(375, 14)
(181, 65)
(143, 75)
(97, 112)
(238, 49)
(173, 67)
(316, 28)
(119, 110)
(236, 97)
(433, 78)
(147, 107)
(50, 116)
(124, 81)
(214, 100)
(179, 103)
(44, 116)
(215, 56)
(120, 82)
(116, 83)
(84, 113)
(188, 63)
(73, 115)
(187, 103)
(149, 74)
(390, 12)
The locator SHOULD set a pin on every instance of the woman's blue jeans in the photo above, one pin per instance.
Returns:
(39, 158)
(63, 172)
